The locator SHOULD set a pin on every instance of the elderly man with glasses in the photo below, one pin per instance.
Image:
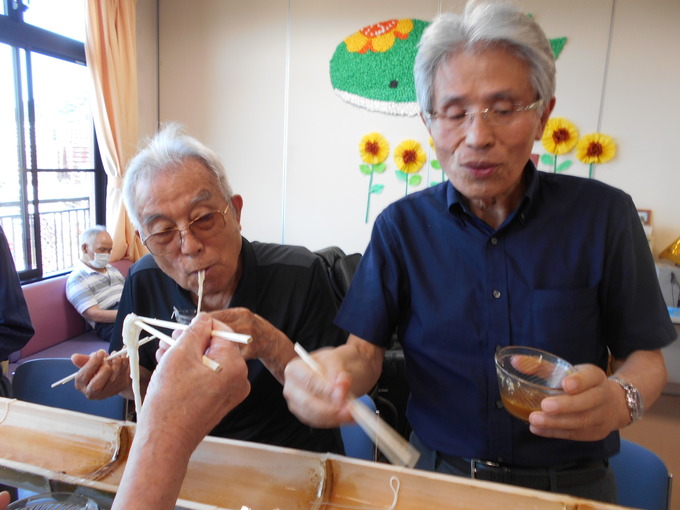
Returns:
(498, 255)
(178, 197)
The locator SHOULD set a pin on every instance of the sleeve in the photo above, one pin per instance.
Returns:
(635, 313)
(15, 322)
(371, 308)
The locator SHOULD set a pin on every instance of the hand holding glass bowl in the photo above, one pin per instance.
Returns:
(526, 376)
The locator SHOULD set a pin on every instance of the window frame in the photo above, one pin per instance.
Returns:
(19, 35)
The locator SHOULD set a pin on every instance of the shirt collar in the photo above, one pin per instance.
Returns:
(457, 204)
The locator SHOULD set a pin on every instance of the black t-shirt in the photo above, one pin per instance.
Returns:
(286, 285)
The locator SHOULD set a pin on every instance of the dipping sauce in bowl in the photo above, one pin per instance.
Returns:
(526, 376)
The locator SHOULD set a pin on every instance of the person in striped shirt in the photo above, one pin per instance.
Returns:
(94, 286)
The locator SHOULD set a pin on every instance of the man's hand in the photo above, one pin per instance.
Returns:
(185, 400)
(269, 345)
(183, 388)
(318, 400)
(97, 378)
(589, 411)
(4, 500)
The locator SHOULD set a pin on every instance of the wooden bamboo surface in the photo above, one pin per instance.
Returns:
(44, 448)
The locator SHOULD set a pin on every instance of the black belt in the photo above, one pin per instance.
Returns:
(569, 475)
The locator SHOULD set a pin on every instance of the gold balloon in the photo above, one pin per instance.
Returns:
(672, 252)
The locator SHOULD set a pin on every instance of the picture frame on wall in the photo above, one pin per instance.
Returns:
(645, 216)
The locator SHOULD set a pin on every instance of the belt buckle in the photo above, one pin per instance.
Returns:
(475, 462)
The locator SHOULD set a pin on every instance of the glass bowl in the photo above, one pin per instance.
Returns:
(55, 501)
(526, 376)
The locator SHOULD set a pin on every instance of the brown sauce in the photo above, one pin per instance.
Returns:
(518, 409)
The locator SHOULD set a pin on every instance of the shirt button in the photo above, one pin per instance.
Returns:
(499, 404)
(494, 241)
(496, 293)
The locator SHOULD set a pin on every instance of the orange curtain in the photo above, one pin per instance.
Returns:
(111, 51)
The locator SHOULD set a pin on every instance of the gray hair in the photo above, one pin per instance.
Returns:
(89, 236)
(166, 151)
(483, 25)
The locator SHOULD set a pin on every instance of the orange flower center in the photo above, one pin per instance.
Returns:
(560, 135)
(594, 150)
(409, 156)
(379, 28)
(373, 148)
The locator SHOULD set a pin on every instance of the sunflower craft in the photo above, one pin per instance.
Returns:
(373, 149)
(409, 157)
(594, 149)
(559, 137)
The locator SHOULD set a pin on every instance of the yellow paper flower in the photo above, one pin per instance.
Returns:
(560, 136)
(379, 37)
(409, 156)
(374, 148)
(595, 148)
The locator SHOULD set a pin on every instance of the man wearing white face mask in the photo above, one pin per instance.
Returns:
(94, 287)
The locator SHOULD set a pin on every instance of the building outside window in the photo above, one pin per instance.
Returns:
(52, 185)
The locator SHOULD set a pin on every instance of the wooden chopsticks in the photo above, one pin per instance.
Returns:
(395, 448)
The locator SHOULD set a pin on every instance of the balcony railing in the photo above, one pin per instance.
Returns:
(61, 223)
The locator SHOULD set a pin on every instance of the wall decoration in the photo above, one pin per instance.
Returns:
(594, 149)
(434, 163)
(559, 137)
(645, 216)
(373, 68)
(409, 157)
(373, 149)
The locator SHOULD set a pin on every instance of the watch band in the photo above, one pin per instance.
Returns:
(634, 402)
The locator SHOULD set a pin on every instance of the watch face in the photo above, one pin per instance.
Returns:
(633, 399)
(634, 402)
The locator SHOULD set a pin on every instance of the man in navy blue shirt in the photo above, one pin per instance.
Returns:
(501, 254)
(16, 328)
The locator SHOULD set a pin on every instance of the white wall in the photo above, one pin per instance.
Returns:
(251, 79)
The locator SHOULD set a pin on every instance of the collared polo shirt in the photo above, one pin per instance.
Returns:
(86, 287)
(287, 286)
(570, 272)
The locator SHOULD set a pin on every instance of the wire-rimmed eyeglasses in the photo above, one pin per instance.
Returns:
(500, 113)
(202, 228)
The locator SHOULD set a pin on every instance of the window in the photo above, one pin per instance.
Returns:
(52, 184)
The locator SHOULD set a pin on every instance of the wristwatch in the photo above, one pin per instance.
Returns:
(633, 399)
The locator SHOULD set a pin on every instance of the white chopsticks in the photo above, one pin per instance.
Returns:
(144, 324)
(227, 335)
(395, 448)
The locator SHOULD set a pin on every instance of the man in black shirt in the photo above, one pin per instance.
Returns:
(177, 194)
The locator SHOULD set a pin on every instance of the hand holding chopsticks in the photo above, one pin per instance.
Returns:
(144, 324)
(395, 448)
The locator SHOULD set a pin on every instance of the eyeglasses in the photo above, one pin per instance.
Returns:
(500, 113)
(202, 228)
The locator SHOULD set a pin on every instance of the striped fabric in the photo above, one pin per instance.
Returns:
(87, 287)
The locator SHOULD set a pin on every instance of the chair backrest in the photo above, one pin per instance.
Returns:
(357, 443)
(32, 383)
(642, 478)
